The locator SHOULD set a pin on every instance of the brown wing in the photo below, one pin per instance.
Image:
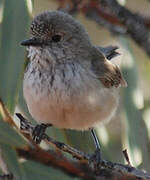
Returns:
(108, 73)
(112, 76)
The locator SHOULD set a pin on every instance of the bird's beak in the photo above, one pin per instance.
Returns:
(31, 42)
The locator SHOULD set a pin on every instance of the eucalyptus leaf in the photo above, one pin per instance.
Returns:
(136, 136)
(10, 157)
(10, 136)
(13, 31)
(33, 170)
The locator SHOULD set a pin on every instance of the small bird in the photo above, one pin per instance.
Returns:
(69, 83)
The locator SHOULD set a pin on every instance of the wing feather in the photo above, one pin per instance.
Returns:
(108, 73)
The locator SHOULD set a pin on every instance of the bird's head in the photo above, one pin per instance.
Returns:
(58, 33)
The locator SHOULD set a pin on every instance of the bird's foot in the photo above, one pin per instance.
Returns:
(96, 160)
(39, 131)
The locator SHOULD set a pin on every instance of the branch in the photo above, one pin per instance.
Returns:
(81, 166)
(114, 17)
(54, 159)
(82, 170)
(133, 22)
(88, 165)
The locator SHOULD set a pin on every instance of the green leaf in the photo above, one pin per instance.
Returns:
(13, 31)
(9, 136)
(32, 170)
(10, 157)
(136, 136)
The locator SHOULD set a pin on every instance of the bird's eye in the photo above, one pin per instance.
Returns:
(56, 38)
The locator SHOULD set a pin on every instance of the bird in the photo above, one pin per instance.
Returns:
(69, 83)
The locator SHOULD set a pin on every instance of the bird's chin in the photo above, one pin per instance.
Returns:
(33, 52)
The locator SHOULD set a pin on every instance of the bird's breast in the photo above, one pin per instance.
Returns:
(69, 96)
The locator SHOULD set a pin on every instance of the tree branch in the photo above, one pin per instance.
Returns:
(132, 21)
(114, 17)
(82, 167)
(88, 165)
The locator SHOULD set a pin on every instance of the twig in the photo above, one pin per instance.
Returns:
(56, 160)
(126, 157)
(108, 171)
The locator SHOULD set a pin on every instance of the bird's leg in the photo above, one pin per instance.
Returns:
(96, 157)
(39, 131)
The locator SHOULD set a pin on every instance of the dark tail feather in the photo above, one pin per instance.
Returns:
(109, 51)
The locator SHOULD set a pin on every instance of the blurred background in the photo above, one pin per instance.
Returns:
(129, 129)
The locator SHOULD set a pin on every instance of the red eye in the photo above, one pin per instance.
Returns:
(56, 38)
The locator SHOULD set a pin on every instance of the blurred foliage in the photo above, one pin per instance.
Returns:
(35, 170)
(127, 130)
(12, 138)
(136, 133)
(13, 28)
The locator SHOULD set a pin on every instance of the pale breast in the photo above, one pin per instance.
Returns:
(68, 97)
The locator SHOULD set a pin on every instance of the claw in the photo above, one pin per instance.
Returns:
(38, 132)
